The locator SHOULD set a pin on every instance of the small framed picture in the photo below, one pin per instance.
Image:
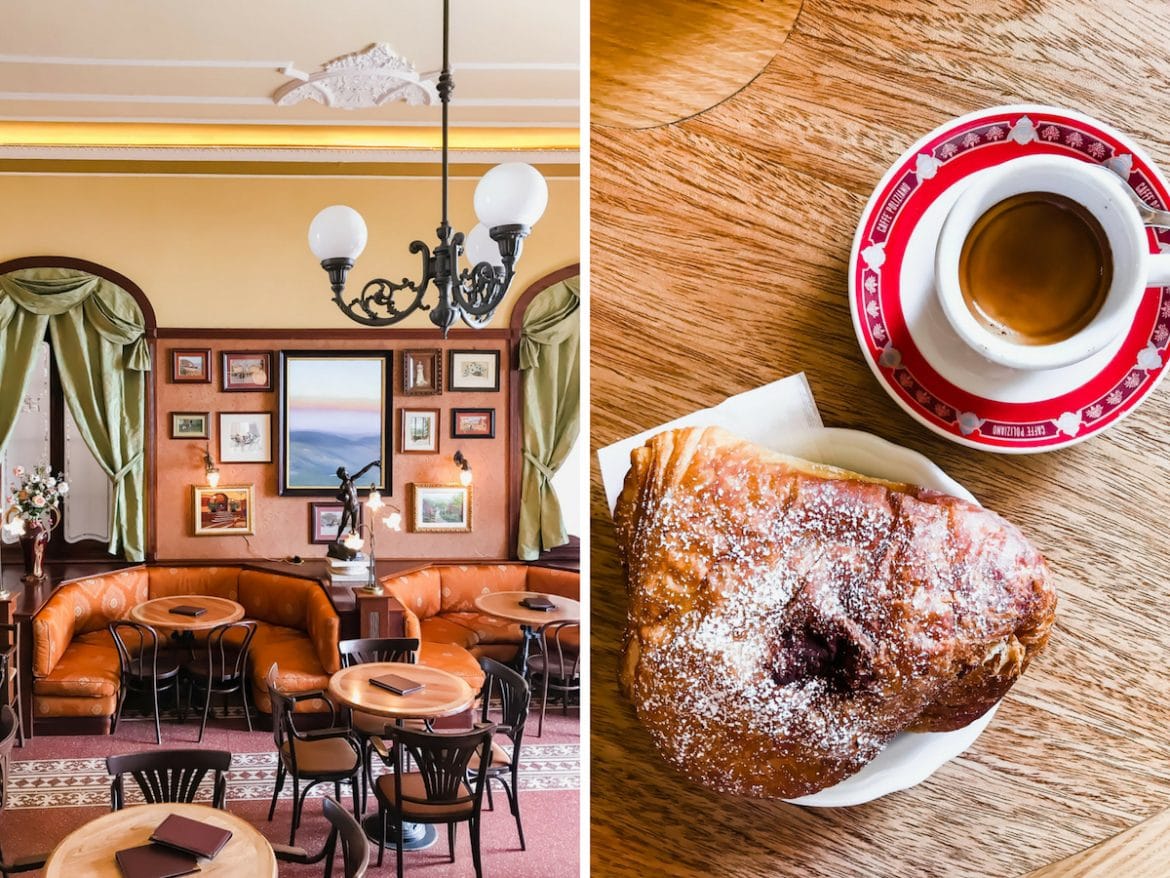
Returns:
(223, 511)
(420, 431)
(190, 366)
(473, 423)
(190, 425)
(245, 437)
(324, 519)
(440, 508)
(247, 371)
(474, 370)
(422, 372)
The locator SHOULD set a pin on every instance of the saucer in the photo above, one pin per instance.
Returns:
(915, 354)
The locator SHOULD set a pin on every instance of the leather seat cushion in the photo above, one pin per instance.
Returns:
(440, 629)
(220, 582)
(325, 756)
(488, 629)
(87, 669)
(501, 652)
(549, 580)
(299, 669)
(61, 705)
(463, 583)
(500, 758)
(412, 785)
(452, 659)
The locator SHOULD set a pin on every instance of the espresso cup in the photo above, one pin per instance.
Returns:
(1097, 193)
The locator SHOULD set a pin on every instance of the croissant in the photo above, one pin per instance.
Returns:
(786, 619)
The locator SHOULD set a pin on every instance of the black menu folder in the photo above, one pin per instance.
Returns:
(397, 684)
(538, 602)
(154, 861)
(185, 610)
(192, 836)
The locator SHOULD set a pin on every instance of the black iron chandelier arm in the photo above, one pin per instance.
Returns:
(481, 288)
(377, 305)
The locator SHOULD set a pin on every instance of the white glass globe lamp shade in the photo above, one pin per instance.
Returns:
(337, 232)
(479, 247)
(513, 193)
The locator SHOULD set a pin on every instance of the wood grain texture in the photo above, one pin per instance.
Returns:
(707, 50)
(157, 613)
(1141, 852)
(506, 605)
(442, 694)
(90, 850)
(719, 255)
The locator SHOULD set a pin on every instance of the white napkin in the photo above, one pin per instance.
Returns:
(765, 416)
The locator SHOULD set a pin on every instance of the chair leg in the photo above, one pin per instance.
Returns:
(206, 710)
(118, 711)
(514, 802)
(296, 815)
(488, 784)
(157, 725)
(543, 704)
(359, 808)
(451, 841)
(279, 785)
(244, 694)
(475, 857)
(398, 846)
(382, 820)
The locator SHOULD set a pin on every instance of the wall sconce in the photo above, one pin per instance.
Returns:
(464, 468)
(210, 469)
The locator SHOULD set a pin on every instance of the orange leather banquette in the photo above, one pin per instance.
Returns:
(75, 663)
(439, 603)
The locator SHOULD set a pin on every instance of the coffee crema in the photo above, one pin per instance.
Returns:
(1036, 268)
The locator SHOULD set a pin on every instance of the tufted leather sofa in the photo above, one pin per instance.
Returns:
(75, 663)
(439, 604)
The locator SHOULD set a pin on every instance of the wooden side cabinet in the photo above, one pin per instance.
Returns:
(380, 615)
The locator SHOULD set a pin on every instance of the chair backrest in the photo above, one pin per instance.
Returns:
(7, 738)
(169, 775)
(378, 649)
(282, 710)
(355, 847)
(515, 697)
(442, 760)
(227, 649)
(563, 662)
(137, 648)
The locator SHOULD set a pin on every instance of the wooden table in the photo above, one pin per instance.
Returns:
(90, 850)
(156, 613)
(506, 605)
(720, 246)
(443, 694)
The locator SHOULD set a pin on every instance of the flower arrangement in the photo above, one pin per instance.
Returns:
(39, 493)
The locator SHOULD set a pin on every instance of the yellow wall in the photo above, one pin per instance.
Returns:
(232, 252)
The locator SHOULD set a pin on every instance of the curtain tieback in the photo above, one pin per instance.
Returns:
(541, 467)
(124, 471)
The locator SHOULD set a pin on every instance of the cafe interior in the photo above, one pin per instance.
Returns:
(289, 438)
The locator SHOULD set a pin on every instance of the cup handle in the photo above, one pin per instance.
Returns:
(1158, 270)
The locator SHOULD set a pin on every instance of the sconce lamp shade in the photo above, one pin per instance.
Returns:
(337, 232)
(480, 247)
(513, 193)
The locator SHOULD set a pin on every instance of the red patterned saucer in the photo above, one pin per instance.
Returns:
(906, 338)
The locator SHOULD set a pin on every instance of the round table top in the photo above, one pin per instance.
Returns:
(506, 605)
(443, 694)
(156, 613)
(89, 850)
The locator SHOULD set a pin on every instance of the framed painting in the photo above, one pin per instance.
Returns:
(473, 370)
(190, 425)
(324, 519)
(248, 371)
(422, 372)
(473, 423)
(223, 511)
(190, 366)
(420, 431)
(245, 437)
(440, 508)
(335, 413)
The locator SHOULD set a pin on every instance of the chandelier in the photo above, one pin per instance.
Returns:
(509, 199)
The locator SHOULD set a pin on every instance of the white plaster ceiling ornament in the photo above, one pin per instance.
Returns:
(374, 76)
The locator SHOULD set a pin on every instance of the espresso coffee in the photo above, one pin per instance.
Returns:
(1036, 268)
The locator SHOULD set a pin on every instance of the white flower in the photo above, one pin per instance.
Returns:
(62, 488)
(52, 483)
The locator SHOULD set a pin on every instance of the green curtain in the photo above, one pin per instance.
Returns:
(550, 364)
(102, 355)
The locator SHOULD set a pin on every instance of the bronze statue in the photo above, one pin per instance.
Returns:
(350, 511)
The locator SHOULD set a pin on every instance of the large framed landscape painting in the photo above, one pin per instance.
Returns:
(335, 411)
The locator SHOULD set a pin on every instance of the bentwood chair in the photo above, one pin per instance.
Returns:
(367, 725)
(332, 755)
(355, 847)
(439, 792)
(8, 732)
(558, 664)
(144, 667)
(515, 697)
(10, 673)
(226, 668)
(169, 775)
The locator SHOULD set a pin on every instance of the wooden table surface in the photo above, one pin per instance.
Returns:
(443, 694)
(157, 613)
(89, 850)
(506, 605)
(720, 247)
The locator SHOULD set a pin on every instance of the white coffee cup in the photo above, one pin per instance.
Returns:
(1104, 195)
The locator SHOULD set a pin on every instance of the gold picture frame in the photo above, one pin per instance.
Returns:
(440, 508)
(223, 511)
